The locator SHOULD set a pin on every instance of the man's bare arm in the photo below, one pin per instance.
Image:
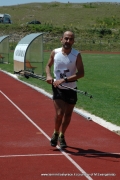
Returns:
(49, 78)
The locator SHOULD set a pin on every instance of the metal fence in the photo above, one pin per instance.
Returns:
(82, 44)
(102, 45)
(111, 45)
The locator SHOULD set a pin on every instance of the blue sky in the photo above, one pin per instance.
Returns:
(16, 2)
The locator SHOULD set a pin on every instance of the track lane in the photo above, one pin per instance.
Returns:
(88, 142)
(22, 144)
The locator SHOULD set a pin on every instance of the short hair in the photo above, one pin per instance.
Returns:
(68, 31)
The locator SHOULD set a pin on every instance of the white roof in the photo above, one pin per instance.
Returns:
(3, 37)
(1, 15)
(29, 38)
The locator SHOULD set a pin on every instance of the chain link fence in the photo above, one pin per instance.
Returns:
(82, 44)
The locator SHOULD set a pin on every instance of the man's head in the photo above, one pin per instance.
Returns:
(67, 39)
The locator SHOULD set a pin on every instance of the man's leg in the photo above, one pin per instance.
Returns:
(62, 120)
(65, 124)
(67, 117)
(59, 109)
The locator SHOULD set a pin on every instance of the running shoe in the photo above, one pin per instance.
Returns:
(62, 142)
(54, 139)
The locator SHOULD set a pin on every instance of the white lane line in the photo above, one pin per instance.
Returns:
(96, 153)
(26, 155)
(65, 154)
(26, 116)
(29, 155)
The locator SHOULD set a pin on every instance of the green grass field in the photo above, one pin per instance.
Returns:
(102, 72)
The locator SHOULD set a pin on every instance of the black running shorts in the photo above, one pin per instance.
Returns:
(66, 95)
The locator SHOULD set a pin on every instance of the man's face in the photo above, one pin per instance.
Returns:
(67, 40)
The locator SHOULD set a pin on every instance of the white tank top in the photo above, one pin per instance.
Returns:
(65, 65)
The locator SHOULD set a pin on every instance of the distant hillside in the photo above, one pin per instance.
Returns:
(81, 15)
(90, 21)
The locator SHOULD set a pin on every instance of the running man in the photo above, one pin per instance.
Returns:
(68, 67)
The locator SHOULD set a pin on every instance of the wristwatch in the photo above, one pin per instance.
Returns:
(66, 80)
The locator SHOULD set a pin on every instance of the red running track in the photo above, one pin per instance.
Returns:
(26, 125)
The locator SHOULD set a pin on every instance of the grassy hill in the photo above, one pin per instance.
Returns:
(94, 24)
(81, 15)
